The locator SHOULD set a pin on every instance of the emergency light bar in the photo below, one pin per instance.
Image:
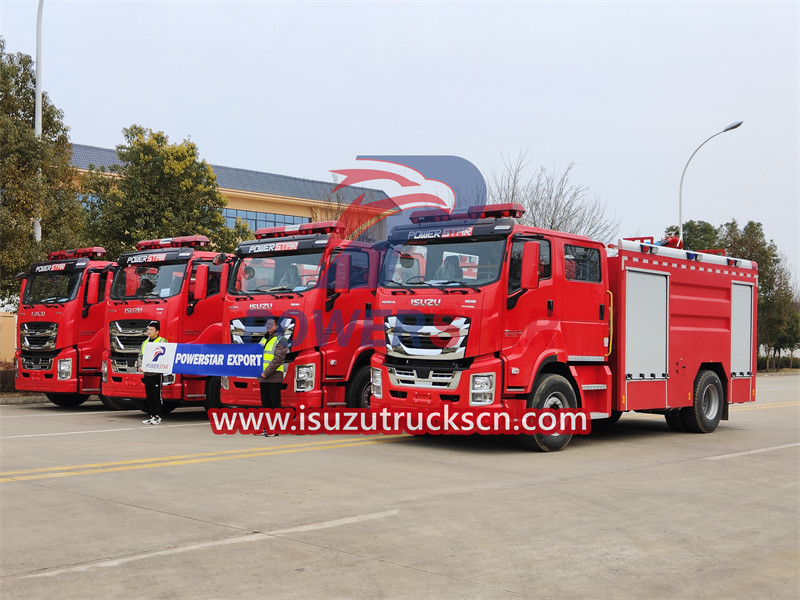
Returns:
(487, 211)
(304, 228)
(94, 252)
(187, 241)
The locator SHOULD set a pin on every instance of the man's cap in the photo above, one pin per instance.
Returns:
(155, 324)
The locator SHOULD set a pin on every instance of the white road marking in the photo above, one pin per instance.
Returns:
(250, 537)
(33, 435)
(757, 451)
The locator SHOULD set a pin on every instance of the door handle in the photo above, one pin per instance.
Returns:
(602, 312)
(550, 305)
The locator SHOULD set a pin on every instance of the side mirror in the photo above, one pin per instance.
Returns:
(374, 269)
(201, 283)
(342, 279)
(219, 259)
(530, 266)
(93, 289)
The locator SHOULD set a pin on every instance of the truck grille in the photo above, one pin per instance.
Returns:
(38, 335)
(126, 337)
(416, 335)
(42, 362)
(424, 377)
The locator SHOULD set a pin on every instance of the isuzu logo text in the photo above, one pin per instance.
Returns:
(426, 301)
(261, 306)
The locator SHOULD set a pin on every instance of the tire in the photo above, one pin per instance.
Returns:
(552, 392)
(358, 392)
(67, 400)
(709, 401)
(675, 420)
(113, 403)
(213, 385)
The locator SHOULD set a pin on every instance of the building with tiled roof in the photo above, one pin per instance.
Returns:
(260, 199)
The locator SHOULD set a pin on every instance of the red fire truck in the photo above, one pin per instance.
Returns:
(321, 290)
(492, 315)
(60, 326)
(171, 281)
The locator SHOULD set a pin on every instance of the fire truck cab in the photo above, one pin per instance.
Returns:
(174, 282)
(490, 315)
(321, 290)
(60, 326)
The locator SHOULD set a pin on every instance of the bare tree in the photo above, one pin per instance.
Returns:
(354, 213)
(552, 201)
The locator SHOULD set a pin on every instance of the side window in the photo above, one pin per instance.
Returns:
(359, 268)
(582, 264)
(214, 279)
(515, 266)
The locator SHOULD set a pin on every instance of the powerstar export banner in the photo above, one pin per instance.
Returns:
(233, 360)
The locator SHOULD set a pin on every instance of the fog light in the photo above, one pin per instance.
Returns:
(481, 389)
(224, 382)
(64, 368)
(304, 378)
(377, 383)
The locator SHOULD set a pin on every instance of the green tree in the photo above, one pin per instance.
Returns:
(36, 176)
(697, 235)
(156, 190)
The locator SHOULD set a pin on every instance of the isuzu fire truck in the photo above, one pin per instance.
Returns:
(60, 326)
(321, 290)
(171, 281)
(490, 315)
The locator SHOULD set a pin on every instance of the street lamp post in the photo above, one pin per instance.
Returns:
(680, 189)
(37, 117)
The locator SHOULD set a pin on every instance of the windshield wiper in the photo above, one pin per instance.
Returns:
(462, 284)
(405, 288)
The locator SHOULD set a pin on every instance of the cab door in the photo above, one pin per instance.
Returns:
(530, 317)
(585, 309)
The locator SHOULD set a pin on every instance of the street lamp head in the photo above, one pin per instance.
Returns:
(732, 126)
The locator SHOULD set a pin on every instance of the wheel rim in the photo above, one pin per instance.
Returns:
(710, 405)
(365, 395)
(555, 401)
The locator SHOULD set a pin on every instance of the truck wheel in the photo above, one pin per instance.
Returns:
(706, 411)
(213, 385)
(675, 420)
(552, 392)
(358, 392)
(112, 403)
(67, 399)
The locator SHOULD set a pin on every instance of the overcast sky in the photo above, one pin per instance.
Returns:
(625, 90)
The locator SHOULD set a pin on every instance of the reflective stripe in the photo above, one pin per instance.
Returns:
(158, 340)
(269, 354)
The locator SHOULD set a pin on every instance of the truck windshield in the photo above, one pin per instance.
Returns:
(473, 262)
(277, 273)
(52, 287)
(148, 281)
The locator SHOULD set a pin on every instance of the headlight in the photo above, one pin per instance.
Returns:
(104, 372)
(16, 367)
(304, 378)
(377, 383)
(481, 390)
(237, 331)
(224, 382)
(168, 379)
(64, 368)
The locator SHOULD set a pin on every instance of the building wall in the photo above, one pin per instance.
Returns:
(7, 330)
